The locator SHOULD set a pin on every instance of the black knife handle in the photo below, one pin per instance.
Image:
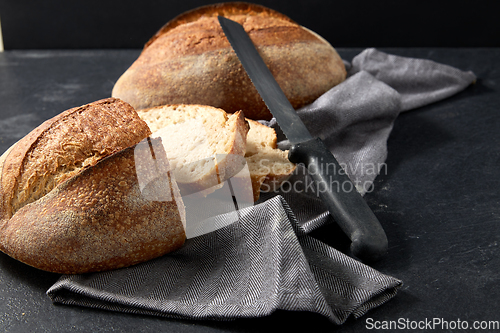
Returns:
(343, 201)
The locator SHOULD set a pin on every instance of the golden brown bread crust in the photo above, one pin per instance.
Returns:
(189, 61)
(214, 10)
(97, 220)
(63, 145)
(70, 199)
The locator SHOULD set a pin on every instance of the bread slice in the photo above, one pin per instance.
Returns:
(205, 145)
(71, 201)
(180, 127)
(190, 61)
(269, 166)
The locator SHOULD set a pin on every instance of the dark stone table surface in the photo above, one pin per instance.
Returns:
(439, 201)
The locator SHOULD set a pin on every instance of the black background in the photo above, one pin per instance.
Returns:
(58, 24)
(439, 202)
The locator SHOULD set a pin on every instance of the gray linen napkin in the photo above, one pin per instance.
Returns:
(266, 260)
(259, 264)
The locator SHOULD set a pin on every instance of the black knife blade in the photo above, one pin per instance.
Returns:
(348, 208)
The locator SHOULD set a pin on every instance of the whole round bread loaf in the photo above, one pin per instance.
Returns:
(190, 61)
(70, 196)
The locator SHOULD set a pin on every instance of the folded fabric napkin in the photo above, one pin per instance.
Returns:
(266, 260)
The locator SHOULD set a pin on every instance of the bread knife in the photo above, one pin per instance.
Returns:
(348, 208)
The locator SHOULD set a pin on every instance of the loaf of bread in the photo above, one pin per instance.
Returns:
(189, 61)
(78, 195)
(70, 196)
(192, 133)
